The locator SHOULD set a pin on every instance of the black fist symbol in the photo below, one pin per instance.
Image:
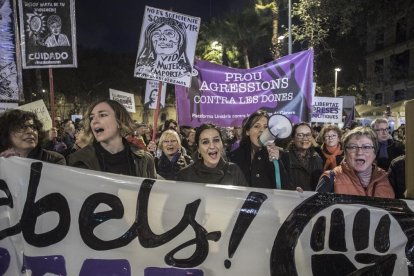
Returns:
(335, 262)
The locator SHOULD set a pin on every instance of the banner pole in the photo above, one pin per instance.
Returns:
(157, 111)
(52, 97)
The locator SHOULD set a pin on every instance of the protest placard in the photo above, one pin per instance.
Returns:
(327, 110)
(124, 98)
(167, 46)
(48, 33)
(39, 108)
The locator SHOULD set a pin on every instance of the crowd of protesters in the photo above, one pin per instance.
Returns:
(359, 160)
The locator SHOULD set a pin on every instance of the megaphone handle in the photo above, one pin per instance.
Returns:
(277, 174)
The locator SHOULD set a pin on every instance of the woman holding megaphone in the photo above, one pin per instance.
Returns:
(255, 156)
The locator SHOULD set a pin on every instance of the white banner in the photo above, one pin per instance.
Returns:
(327, 110)
(65, 221)
(39, 108)
(124, 98)
(166, 46)
(151, 94)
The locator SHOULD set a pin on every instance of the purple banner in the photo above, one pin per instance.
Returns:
(226, 96)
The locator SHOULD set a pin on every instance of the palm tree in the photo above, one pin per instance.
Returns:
(245, 30)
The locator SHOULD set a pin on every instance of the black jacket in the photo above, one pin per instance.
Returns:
(396, 175)
(86, 158)
(394, 149)
(297, 175)
(260, 172)
(169, 169)
(225, 173)
(46, 155)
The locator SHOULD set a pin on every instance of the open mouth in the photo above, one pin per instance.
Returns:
(165, 45)
(29, 140)
(360, 162)
(99, 129)
(213, 154)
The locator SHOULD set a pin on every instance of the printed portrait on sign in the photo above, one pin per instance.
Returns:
(165, 48)
(56, 38)
(152, 100)
(48, 33)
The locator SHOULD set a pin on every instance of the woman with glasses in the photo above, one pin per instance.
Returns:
(255, 159)
(331, 150)
(20, 134)
(172, 159)
(358, 174)
(108, 122)
(210, 166)
(302, 165)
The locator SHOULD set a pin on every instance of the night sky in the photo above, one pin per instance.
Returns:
(115, 25)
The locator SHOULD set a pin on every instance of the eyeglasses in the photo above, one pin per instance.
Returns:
(170, 141)
(303, 135)
(24, 128)
(382, 129)
(364, 149)
(331, 136)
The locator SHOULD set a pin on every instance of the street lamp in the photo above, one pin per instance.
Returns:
(336, 79)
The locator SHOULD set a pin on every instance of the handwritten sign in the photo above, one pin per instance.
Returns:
(167, 46)
(40, 109)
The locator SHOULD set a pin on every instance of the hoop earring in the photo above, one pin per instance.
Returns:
(199, 156)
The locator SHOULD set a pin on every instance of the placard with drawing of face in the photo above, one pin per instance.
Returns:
(167, 46)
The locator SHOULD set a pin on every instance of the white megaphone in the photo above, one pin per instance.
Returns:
(279, 126)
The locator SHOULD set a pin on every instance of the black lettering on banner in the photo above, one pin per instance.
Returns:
(54, 202)
(248, 212)
(148, 239)
(88, 221)
(7, 201)
(282, 260)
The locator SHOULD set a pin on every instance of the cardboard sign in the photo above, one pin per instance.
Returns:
(124, 98)
(39, 108)
(327, 110)
(167, 46)
(47, 31)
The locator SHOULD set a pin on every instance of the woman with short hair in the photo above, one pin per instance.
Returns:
(331, 150)
(20, 134)
(172, 158)
(358, 174)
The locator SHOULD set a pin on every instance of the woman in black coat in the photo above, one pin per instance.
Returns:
(210, 166)
(254, 159)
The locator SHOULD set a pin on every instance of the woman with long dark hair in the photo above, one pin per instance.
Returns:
(210, 166)
(255, 159)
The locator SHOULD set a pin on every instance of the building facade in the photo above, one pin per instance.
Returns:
(390, 56)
